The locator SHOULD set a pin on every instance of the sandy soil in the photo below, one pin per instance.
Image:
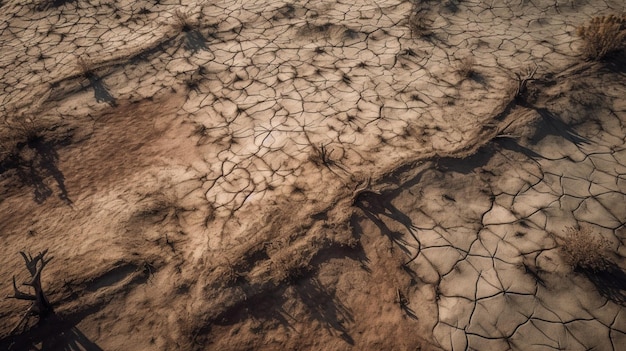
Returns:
(295, 175)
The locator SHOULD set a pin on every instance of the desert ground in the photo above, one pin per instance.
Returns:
(312, 175)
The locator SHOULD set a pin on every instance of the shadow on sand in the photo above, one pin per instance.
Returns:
(52, 333)
(46, 5)
(610, 282)
(325, 307)
(100, 91)
(379, 206)
(265, 304)
(194, 40)
(266, 309)
(34, 161)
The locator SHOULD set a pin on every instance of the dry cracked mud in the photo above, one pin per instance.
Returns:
(336, 175)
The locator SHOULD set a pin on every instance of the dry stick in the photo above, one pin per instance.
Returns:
(522, 82)
(325, 157)
(40, 305)
(362, 188)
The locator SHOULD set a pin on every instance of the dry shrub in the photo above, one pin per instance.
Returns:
(466, 67)
(583, 251)
(18, 130)
(603, 35)
(86, 66)
(184, 21)
(419, 23)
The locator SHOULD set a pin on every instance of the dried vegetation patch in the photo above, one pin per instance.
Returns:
(466, 67)
(602, 36)
(582, 250)
(418, 21)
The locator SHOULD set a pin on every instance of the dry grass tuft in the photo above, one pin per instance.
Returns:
(583, 251)
(419, 23)
(602, 36)
(184, 21)
(85, 66)
(465, 69)
(18, 130)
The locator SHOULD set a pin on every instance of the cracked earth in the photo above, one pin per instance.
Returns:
(336, 175)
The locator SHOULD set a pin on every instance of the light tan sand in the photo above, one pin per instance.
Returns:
(263, 175)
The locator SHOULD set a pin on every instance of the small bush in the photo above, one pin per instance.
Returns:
(20, 130)
(466, 67)
(602, 36)
(419, 24)
(184, 21)
(584, 252)
(86, 67)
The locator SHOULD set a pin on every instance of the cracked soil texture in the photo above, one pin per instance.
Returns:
(295, 175)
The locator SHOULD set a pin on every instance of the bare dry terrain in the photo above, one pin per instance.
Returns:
(313, 175)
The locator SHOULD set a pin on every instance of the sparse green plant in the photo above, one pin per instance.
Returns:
(602, 36)
(582, 250)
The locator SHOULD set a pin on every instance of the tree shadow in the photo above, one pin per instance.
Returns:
(550, 124)
(376, 207)
(478, 78)
(52, 333)
(101, 93)
(48, 4)
(553, 125)
(35, 160)
(404, 306)
(265, 306)
(354, 252)
(513, 145)
(324, 307)
(194, 40)
(264, 303)
(469, 164)
(610, 281)
(409, 312)
(616, 62)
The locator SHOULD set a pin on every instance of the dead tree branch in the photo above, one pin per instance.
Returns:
(522, 82)
(363, 188)
(40, 305)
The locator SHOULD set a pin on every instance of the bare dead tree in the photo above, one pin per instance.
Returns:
(40, 305)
